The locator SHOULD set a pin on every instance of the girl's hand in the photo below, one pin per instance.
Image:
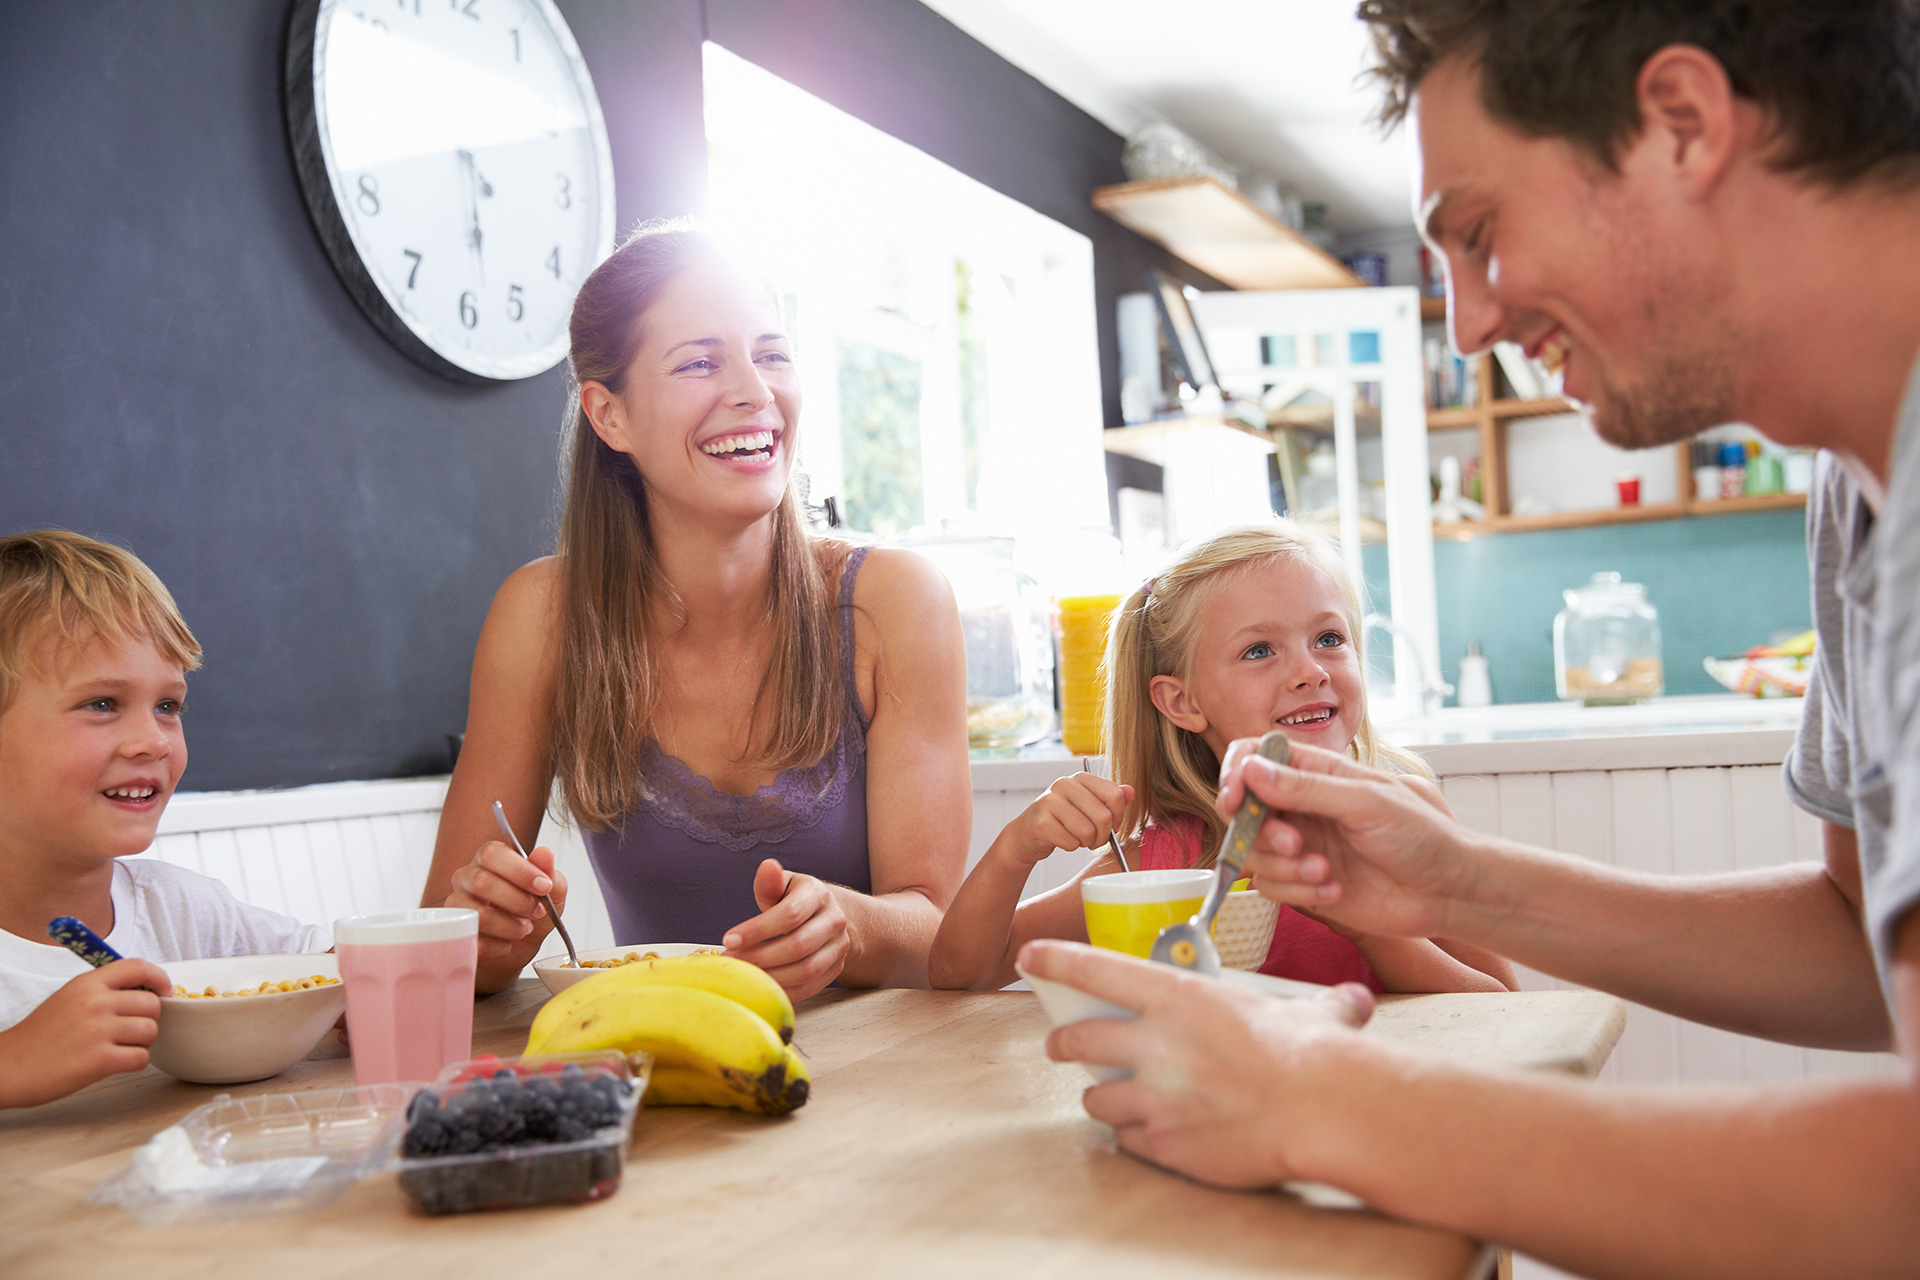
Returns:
(1076, 812)
(98, 1024)
(799, 937)
(505, 889)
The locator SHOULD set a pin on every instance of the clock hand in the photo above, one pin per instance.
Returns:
(473, 215)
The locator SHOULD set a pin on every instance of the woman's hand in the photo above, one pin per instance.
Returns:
(1076, 812)
(96, 1025)
(1222, 1078)
(505, 889)
(799, 937)
(1349, 843)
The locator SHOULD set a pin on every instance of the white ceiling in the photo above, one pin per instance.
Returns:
(1266, 84)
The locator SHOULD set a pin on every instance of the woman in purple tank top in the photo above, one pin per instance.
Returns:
(761, 733)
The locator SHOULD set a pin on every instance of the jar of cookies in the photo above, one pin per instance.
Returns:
(1606, 644)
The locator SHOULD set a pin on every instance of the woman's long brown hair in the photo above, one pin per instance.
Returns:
(613, 593)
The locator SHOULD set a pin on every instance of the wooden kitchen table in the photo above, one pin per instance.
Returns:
(939, 1141)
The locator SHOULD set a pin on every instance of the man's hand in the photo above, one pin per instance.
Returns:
(97, 1025)
(1349, 843)
(1221, 1076)
(799, 937)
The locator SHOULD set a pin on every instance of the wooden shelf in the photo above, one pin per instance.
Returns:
(1463, 530)
(1319, 417)
(1746, 502)
(1147, 440)
(1454, 419)
(1496, 410)
(1432, 309)
(1209, 225)
(1559, 520)
(1491, 418)
(1504, 409)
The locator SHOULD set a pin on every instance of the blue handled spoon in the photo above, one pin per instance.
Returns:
(85, 943)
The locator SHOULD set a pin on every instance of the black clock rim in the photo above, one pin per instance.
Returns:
(316, 190)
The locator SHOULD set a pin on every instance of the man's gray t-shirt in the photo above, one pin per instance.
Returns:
(1856, 762)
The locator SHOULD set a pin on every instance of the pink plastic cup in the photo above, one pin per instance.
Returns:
(409, 980)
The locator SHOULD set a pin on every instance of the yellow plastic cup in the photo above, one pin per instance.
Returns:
(1127, 910)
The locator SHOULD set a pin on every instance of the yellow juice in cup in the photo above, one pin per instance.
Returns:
(1126, 911)
(1083, 687)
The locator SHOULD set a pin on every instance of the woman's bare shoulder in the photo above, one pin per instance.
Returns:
(896, 585)
(527, 605)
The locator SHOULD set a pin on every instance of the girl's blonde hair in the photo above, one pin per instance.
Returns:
(1173, 771)
(612, 590)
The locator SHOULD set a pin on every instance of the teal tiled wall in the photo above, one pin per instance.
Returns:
(1721, 583)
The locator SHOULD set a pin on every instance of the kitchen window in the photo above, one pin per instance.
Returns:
(945, 333)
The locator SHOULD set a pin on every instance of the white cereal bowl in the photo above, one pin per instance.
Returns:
(1066, 1005)
(231, 1039)
(559, 975)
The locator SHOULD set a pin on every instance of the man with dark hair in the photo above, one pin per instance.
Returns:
(1698, 213)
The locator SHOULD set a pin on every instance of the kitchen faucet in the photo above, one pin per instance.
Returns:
(1433, 691)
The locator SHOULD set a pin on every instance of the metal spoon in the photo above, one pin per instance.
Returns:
(1113, 838)
(553, 914)
(1190, 945)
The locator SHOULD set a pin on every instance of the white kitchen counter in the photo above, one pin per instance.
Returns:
(1698, 731)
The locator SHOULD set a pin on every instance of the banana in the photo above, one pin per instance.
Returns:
(685, 1087)
(747, 984)
(689, 1029)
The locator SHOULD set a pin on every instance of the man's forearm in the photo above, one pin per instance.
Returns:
(1775, 953)
(1817, 1180)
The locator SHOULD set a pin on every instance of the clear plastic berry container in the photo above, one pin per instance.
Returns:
(504, 1133)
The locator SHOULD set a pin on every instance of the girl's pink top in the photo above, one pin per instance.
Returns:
(1303, 948)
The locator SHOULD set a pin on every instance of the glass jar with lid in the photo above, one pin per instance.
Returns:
(1606, 644)
(1006, 620)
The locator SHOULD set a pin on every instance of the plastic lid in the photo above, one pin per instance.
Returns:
(422, 924)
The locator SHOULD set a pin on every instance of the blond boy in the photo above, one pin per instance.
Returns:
(93, 664)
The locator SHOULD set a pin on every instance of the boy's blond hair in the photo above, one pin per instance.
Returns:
(1173, 771)
(74, 589)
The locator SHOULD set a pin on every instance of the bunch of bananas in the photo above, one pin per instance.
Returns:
(719, 1030)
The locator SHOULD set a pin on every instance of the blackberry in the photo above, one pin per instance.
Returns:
(508, 1114)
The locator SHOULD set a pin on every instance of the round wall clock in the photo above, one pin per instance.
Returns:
(455, 163)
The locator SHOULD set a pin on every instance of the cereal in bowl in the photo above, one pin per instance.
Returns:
(264, 989)
(634, 957)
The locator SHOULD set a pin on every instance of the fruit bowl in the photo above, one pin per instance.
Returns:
(559, 975)
(230, 1039)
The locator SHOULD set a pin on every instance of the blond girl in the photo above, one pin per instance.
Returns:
(1255, 628)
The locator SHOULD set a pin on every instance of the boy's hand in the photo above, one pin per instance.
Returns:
(98, 1024)
(505, 889)
(1076, 812)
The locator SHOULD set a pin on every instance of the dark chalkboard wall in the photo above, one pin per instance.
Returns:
(182, 373)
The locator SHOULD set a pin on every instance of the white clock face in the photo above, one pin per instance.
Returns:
(470, 165)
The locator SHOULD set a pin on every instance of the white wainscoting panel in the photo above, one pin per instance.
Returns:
(1692, 821)
(320, 853)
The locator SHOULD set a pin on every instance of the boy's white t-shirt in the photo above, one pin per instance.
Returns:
(160, 912)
